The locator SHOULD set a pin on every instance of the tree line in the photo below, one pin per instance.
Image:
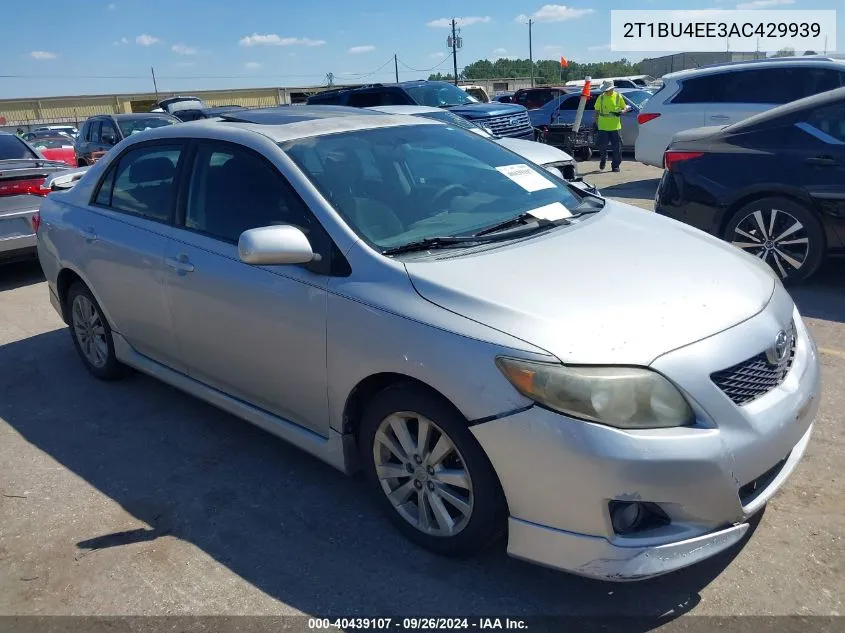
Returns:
(546, 71)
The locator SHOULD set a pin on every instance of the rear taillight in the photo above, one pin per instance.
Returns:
(31, 186)
(36, 221)
(646, 117)
(672, 158)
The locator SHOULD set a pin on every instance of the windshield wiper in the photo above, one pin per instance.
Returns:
(525, 219)
(429, 242)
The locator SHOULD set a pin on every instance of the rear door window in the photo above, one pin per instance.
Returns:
(830, 121)
(143, 183)
(706, 89)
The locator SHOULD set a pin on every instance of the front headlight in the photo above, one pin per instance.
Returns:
(622, 397)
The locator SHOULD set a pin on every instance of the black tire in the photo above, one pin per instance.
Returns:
(111, 369)
(488, 519)
(780, 254)
(583, 154)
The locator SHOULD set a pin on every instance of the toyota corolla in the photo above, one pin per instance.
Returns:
(502, 353)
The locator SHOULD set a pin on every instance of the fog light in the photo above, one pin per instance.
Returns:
(626, 516)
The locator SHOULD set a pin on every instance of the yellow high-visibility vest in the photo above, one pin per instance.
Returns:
(606, 105)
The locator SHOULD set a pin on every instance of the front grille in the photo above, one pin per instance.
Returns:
(508, 125)
(753, 488)
(756, 376)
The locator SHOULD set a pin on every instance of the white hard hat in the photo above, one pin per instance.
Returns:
(606, 85)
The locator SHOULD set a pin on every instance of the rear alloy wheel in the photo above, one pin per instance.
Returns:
(431, 476)
(781, 232)
(91, 334)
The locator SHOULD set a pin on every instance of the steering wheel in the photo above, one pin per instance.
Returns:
(454, 189)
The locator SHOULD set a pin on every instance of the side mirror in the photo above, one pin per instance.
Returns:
(275, 245)
(108, 140)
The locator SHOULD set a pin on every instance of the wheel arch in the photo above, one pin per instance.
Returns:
(64, 280)
(367, 388)
(750, 195)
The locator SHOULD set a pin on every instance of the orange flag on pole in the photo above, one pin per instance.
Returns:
(564, 63)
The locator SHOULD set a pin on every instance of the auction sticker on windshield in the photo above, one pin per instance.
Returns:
(552, 212)
(525, 177)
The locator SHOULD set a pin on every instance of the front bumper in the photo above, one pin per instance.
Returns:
(559, 474)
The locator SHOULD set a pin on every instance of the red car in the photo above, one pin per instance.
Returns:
(57, 147)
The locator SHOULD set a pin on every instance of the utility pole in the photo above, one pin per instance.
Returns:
(531, 51)
(396, 67)
(454, 52)
(155, 87)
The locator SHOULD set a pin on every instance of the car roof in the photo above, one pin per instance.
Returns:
(775, 62)
(290, 122)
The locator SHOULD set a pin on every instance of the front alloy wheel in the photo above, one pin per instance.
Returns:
(428, 472)
(423, 474)
(782, 233)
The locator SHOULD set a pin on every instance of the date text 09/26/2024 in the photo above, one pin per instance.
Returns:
(416, 624)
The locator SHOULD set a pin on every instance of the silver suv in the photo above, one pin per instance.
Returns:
(501, 352)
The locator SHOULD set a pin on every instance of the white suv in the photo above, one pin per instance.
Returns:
(726, 93)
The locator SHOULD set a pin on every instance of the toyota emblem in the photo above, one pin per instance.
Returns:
(780, 350)
(514, 121)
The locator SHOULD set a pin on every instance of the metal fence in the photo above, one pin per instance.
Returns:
(28, 125)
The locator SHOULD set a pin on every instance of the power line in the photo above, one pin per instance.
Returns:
(425, 70)
(373, 72)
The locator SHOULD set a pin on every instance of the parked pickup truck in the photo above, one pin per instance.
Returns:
(502, 119)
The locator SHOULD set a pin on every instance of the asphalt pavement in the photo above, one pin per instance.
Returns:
(132, 498)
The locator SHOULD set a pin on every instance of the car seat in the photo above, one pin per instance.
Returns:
(342, 170)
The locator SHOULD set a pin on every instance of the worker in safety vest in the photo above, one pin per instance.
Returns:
(609, 108)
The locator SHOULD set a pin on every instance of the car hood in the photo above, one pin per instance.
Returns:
(623, 287)
(479, 110)
(538, 153)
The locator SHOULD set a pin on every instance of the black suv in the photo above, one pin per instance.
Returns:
(102, 132)
(503, 119)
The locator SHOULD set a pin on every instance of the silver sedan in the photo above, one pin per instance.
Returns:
(502, 353)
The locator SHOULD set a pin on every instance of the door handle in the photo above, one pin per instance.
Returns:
(822, 161)
(90, 235)
(719, 117)
(180, 264)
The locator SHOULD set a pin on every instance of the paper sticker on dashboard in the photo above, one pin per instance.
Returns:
(527, 178)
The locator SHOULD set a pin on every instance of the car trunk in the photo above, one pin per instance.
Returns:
(21, 194)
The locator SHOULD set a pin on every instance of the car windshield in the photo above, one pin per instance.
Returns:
(399, 185)
(638, 97)
(439, 94)
(454, 119)
(133, 126)
(11, 148)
